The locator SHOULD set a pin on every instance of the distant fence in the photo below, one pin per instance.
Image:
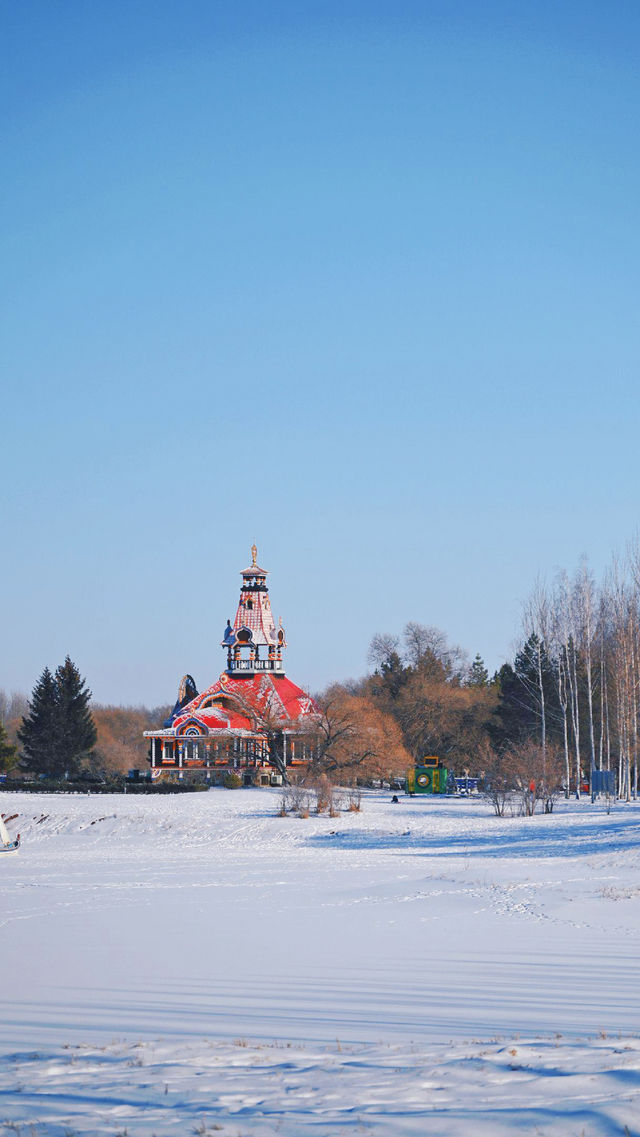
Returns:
(15, 785)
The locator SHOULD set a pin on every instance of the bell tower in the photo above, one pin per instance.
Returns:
(253, 642)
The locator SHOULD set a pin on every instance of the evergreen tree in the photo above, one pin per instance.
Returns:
(478, 674)
(393, 674)
(8, 752)
(58, 733)
(76, 729)
(520, 705)
(39, 733)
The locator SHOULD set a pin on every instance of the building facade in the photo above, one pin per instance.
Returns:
(253, 722)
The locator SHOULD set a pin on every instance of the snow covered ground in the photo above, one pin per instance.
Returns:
(196, 964)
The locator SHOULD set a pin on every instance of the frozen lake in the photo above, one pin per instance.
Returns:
(428, 932)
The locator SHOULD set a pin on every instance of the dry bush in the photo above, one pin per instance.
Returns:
(322, 790)
(296, 798)
(521, 777)
(496, 781)
(537, 776)
(309, 792)
(338, 801)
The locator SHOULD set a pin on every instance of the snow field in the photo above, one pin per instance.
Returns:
(250, 1090)
(197, 964)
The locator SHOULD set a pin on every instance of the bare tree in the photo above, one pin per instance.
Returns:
(537, 776)
(355, 738)
(496, 781)
(585, 602)
(570, 652)
(604, 741)
(425, 645)
(421, 640)
(524, 774)
(623, 613)
(537, 625)
(382, 648)
(559, 640)
(592, 633)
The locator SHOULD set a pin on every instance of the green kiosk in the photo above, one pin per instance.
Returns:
(428, 778)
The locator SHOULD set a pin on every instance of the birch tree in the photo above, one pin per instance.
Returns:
(558, 649)
(584, 604)
(537, 626)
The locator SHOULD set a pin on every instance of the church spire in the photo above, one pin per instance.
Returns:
(254, 627)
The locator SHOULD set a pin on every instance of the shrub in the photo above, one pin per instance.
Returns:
(323, 790)
(231, 781)
(355, 801)
(295, 797)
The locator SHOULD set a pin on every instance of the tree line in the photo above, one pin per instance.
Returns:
(567, 703)
(59, 734)
(575, 683)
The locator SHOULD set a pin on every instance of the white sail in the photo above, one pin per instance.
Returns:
(4, 836)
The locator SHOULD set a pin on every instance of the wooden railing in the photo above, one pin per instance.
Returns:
(256, 665)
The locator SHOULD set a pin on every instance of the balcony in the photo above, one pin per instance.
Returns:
(248, 666)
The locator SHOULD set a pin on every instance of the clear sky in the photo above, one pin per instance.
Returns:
(357, 281)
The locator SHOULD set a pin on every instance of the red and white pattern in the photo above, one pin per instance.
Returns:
(254, 613)
(239, 703)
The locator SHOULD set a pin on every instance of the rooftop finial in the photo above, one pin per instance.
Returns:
(254, 556)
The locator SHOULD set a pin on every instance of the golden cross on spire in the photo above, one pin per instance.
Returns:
(254, 556)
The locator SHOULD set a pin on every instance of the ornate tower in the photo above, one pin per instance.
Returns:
(254, 628)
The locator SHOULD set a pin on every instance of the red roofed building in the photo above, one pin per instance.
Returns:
(253, 721)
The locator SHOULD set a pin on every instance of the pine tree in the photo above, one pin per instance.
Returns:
(77, 733)
(8, 752)
(523, 706)
(58, 733)
(39, 732)
(478, 674)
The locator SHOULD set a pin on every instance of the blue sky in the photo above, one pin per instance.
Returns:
(357, 281)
